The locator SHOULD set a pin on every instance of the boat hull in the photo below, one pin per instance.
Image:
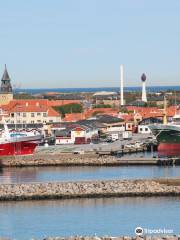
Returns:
(17, 148)
(168, 138)
(169, 149)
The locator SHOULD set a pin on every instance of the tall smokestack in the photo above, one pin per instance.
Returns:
(143, 79)
(122, 84)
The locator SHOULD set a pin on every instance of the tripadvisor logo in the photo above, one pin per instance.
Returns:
(139, 231)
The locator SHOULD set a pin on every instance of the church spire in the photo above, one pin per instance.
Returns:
(6, 82)
(6, 75)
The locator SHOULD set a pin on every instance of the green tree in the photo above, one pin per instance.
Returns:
(102, 106)
(23, 96)
(69, 108)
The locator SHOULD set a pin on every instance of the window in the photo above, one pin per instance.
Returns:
(12, 121)
(18, 121)
(32, 114)
(146, 129)
(50, 121)
(44, 114)
(24, 114)
(12, 115)
(39, 121)
(32, 121)
(18, 114)
(141, 129)
(24, 122)
(38, 114)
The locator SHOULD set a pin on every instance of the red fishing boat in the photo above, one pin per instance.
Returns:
(18, 143)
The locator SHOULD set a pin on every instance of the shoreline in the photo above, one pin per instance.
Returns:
(91, 189)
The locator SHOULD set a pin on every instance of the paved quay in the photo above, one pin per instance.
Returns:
(91, 189)
(87, 159)
(67, 159)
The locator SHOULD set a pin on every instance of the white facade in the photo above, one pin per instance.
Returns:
(127, 135)
(87, 134)
(31, 117)
(114, 136)
(77, 133)
(60, 140)
(116, 128)
(144, 129)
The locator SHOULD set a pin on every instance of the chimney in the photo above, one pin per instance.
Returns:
(121, 84)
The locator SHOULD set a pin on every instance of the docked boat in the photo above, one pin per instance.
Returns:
(18, 143)
(168, 136)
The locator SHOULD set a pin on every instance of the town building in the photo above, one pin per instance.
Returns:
(29, 111)
(143, 126)
(112, 124)
(76, 134)
(6, 94)
(106, 98)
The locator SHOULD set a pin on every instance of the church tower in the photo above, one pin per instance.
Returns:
(6, 94)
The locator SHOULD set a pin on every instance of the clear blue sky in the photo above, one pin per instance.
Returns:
(81, 43)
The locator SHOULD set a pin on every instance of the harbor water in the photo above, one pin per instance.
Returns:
(112, 216)
(103, 216)
(47, 174)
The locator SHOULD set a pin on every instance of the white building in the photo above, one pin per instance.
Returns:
(76, 135)
(144, 129)
(30, 112)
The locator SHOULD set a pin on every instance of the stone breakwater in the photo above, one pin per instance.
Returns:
(90, 189)
(71, 160)
(174, 237)
(164, 237)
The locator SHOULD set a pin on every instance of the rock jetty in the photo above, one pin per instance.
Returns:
(174, 237)
(70, 159)
(90, 189)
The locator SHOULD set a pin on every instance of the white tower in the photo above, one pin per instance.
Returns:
(143, 79)
(122, 84)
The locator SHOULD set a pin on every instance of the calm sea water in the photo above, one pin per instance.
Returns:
(113, 216)
(114, 89)
(45, 174)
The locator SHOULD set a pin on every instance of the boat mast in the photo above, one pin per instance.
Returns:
(175, 104)
(6, 130)
(165, 111)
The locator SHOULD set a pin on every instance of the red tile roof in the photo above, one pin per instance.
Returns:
(147, 112)
(45, 102)
(53, 103)
(30, 105)
(30, 108)
(127, 117)
(52, 112)
(89, 113)
(73, 117)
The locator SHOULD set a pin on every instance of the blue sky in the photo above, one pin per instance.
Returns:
(81, 43)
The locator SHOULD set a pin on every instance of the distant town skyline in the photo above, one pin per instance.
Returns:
(82, 43)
